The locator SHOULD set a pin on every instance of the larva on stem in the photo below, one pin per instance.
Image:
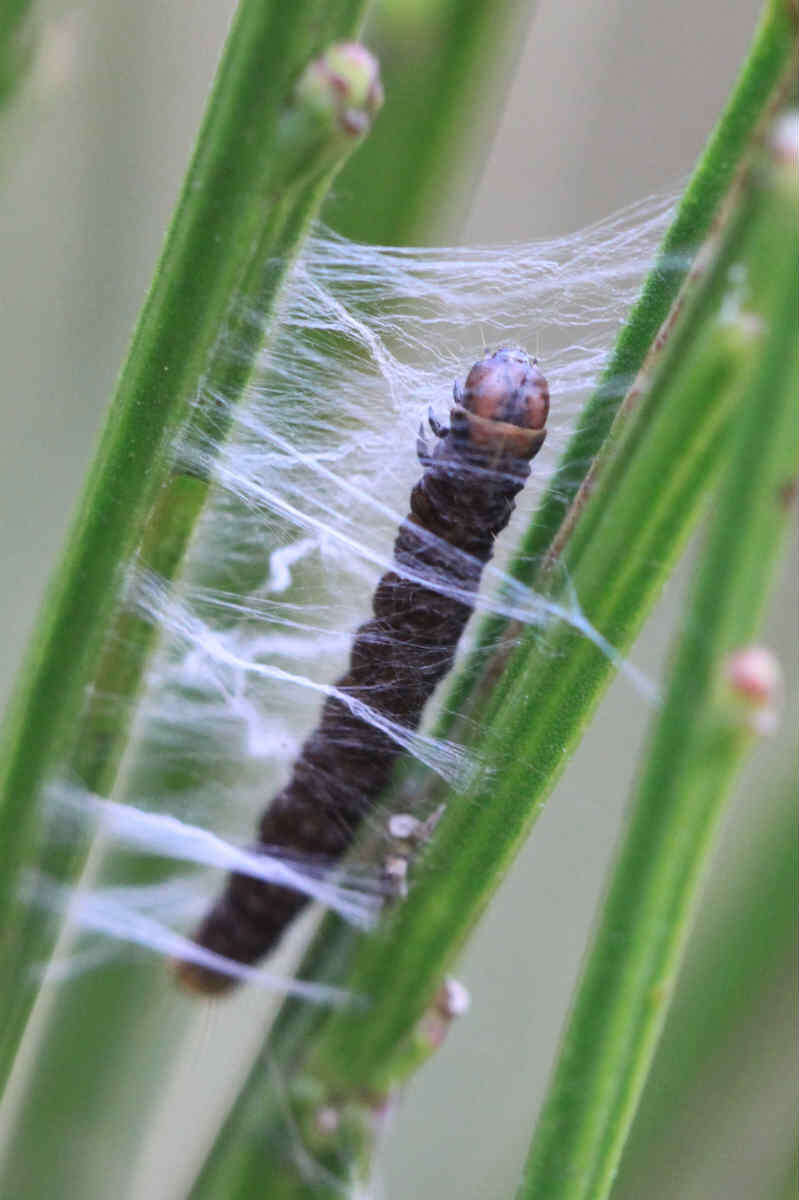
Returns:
(464, 499)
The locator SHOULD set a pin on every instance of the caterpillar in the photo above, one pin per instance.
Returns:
(464, 499)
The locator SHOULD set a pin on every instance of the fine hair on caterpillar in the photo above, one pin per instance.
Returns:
(464, 499)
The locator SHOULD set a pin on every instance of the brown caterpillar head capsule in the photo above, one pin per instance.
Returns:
(506, 402)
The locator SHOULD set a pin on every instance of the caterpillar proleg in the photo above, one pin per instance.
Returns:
(464, 499)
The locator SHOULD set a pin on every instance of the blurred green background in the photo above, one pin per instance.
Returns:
(609, 102)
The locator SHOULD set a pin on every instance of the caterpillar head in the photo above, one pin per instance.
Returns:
(504, 404)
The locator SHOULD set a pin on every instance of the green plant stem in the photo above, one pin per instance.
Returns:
(790, 1180)
(763, 80)
(128, 1018)
(310, 151)
(741, 946)
(262, 160)
(17, 44)
(699, 740)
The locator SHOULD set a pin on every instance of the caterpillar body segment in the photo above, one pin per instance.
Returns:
(464, 499)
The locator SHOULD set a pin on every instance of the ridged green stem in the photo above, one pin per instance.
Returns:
(742, 946)
(17, 45)
(700, 737)
(264, 157)
(764, 78)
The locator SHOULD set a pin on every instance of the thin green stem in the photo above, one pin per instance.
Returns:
(764, 78)
(264, 155)
(790, 1182)
(704, 729)
(742, 945)
(17, 44)
(137, 998)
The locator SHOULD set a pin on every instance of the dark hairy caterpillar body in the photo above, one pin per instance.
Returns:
(463, 500)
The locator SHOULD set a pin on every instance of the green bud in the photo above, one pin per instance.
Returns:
(343, 84)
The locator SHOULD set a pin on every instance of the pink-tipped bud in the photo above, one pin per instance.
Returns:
(784, 139)
(453, 999)
(343, 83)
(754, 677)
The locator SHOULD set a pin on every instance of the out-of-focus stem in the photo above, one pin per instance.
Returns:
(763, 81)
(447, 64)
(17, 44)
(718, 699)
(271, 140)
(742, 948)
